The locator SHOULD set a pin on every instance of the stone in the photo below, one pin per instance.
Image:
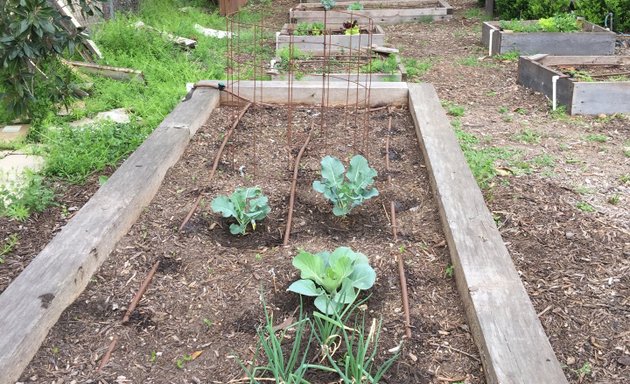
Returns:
(119, 116)
(9, 133)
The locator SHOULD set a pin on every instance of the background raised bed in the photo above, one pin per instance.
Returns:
(593, 40)
(580, 97)
(380, 12)
(337, 43)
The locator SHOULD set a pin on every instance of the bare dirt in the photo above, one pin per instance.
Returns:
(206, 296)
(561, 206)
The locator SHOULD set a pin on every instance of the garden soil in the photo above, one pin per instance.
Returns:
(560, 203)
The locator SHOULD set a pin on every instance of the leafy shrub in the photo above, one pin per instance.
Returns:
(559, 23)
(346, 194)
(334, 279)
(33, 32)
(388, 65)
(245, 205)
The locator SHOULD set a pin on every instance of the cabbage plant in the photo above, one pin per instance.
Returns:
(245, 205)
(346, 190)
(334, 279)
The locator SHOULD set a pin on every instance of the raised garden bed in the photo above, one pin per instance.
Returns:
(586, 85)
(312, 69)
(592, 40)
(379, 12)
(334, 41)
(500, 316)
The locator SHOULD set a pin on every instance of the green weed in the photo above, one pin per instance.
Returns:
(614, 199)
(597, 138)
(544, 160)
(415, 68)
(453, 109)
(625, 178)
(528, 136)
(19, 201)
(449, 271)
(481, 160)
(8, 246)
(584, 206)
(477, 13)
(508, 56)
(473, 61)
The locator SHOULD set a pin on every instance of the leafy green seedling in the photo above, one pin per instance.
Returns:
(346, 192)
(246, 205)
(334, 279)
(8, 246)
(450, 271)
(584, 206)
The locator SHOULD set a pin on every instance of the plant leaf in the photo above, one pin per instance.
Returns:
(363, 276)
(223, 205)
(310, 266)
(305, 287)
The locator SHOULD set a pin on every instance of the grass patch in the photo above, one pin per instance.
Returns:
(584, 206)
(453, 109)
(596, 138)
(416, 68)
(508, 56)
(481, 160)
(474, 61)
(73, 154)
(528, 136)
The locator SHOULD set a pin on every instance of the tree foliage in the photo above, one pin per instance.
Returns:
(33, 34)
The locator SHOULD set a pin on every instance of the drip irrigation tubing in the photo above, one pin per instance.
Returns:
(401, 262)
(215, 165)
(296, 167)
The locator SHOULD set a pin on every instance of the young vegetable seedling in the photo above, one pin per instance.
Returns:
(245, 205)
(346, 192)
(334, 279)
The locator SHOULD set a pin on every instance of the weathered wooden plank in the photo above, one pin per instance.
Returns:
(593, 98)
(511, 340)
(32, 304)
(585, 60)
(532, 74)
(594, 40)
(310, 92)
(62, 6)
(116, 73)
(378, 12)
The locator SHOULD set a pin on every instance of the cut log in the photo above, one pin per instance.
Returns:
(116, 73)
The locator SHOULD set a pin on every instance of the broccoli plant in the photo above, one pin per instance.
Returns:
(334, 279)
(346, 192)
(245, 205)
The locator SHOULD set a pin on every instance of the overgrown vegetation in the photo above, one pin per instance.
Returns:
(558, 23)
(593, 10)
(18, 200)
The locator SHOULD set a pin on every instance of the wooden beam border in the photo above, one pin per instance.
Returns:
(511, 341)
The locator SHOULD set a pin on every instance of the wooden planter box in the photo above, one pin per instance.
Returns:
(379, 12)
(334, 43)
(399, 75)
(580, 97)
(593, 40)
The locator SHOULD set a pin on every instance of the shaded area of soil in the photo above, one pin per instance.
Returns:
(207, 296)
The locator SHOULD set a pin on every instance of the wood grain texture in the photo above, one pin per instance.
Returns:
(594, 98)
(506, 329)
(533, 75)
(32, 304)
(310, 92)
